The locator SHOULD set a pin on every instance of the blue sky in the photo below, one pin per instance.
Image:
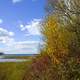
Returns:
(20, 25)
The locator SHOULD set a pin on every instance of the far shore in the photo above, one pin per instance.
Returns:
(13, 60)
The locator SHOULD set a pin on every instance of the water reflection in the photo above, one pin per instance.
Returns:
(13, 60)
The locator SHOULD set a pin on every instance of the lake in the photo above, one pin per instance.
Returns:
(9, 57)
(13, 60)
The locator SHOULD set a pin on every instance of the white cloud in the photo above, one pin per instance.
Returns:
(32, 27)
(13, 47)
(6, 36)
(16, 1)
(4, 32)
(11, 33)
(22, 47)
(1, 21)
(6, 40)
(22, 27)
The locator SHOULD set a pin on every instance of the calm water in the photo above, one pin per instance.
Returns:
(20, 54)
(2, 58)
(13, 60)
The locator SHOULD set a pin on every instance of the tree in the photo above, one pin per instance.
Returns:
(62, 43)
(68, 13)
(57, 38)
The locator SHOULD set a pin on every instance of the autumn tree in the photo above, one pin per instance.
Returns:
(62, 43)
(57, 38)
(68, 12)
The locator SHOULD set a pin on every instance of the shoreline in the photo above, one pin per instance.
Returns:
(13, 60)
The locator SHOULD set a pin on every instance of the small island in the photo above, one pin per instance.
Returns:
(1, 53)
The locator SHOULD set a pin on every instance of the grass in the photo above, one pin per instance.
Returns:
(13, 70)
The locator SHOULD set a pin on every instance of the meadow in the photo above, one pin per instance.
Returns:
(14, 70)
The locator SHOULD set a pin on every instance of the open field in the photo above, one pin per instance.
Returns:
(13, 70)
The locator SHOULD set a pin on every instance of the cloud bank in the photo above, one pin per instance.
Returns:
(21, 47)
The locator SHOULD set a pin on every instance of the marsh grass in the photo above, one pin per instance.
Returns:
(13, 70)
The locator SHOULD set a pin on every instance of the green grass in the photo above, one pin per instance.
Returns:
(13, 70)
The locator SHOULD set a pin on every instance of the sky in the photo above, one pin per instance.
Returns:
(20, 26)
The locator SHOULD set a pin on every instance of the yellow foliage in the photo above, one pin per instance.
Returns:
(57, 38)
